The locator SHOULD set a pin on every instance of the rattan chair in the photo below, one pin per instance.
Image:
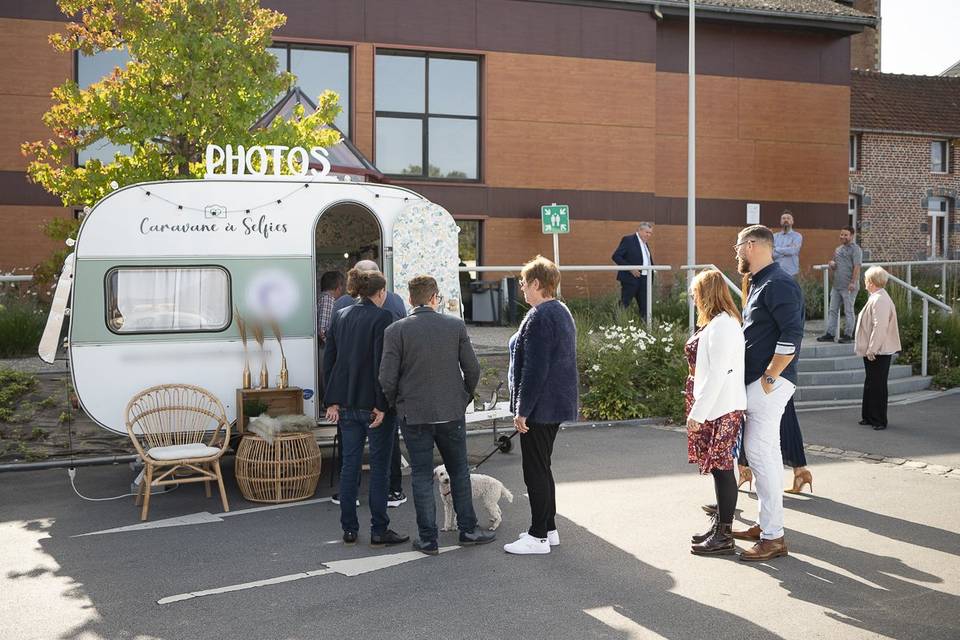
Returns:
(181, 432)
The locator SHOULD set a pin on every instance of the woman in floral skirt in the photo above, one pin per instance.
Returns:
(715, 400)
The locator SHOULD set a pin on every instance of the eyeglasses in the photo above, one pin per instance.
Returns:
(439, 299)
(739, 244)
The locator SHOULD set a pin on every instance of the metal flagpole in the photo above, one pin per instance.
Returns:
(691, 158)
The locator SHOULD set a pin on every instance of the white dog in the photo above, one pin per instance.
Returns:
(487, 491)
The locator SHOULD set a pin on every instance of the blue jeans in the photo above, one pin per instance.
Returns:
(355, 430)
(451, 440)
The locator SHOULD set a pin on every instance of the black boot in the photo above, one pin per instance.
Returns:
(700, 537)
(719, 543)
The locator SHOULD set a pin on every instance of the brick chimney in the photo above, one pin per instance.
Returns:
(865, 47)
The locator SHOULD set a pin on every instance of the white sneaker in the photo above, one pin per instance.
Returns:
(527, 544)
(553, 537)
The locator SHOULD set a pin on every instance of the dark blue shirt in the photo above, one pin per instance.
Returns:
(772, 322)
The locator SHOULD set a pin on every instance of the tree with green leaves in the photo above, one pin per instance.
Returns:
(199, 73)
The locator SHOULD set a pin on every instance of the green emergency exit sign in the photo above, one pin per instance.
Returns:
(555, 218)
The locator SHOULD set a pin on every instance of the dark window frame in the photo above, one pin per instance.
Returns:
(107, 287)
(946, 156)
(288, 46)
(853, 152)
(426, 115)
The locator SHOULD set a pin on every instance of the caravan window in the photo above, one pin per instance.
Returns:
(168, 299)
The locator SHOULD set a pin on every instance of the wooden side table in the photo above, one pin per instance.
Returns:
(285, 470)
(278, 402)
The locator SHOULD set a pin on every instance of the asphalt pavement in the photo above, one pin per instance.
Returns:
(874, 553)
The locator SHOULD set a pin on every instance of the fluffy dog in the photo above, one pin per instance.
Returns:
(486, 490)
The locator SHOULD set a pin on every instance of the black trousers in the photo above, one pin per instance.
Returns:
(537, 446)
(873, 410)
(630, 291)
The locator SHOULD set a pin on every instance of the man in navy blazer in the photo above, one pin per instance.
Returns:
(634, 249)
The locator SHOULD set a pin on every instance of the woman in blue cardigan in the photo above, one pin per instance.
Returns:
(544, 391)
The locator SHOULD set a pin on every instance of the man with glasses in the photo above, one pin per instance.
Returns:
(773, 318)
(429, 372)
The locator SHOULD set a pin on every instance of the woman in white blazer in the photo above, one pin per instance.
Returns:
(716, 399)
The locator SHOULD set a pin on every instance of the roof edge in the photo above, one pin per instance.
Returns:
(899, 132)
(852, 24)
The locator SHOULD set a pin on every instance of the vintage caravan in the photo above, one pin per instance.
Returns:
(160, 271)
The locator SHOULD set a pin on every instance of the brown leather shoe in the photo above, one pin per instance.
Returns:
(765, 550)
(753, 533)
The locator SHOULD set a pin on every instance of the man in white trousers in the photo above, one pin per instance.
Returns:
(772, 329)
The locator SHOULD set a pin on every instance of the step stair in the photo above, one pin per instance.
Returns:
(831, 374)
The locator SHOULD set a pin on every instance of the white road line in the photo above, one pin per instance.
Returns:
(350, 568)
(242, 586)
(203, 517)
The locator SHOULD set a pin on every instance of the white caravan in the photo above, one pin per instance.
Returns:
(160, 270)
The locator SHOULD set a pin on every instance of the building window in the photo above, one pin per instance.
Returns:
(939, 212)
(853, 210)
(939, 156)
(470, 237)
(854, 153)
(317, 69)
(92, 69)
(168, 299)
(428, 115)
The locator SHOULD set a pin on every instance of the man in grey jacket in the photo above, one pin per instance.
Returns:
(429, 372)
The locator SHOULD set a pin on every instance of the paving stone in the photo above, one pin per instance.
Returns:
(914, 464)
(853, 454)
(895, 461)
(873, 456)
(954, 474)
(815, 447)
(832, 450)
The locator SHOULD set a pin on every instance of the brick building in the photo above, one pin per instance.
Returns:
(903, 154)
(573, 101)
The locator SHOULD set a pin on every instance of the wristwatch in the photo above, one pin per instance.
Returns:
(769, 379)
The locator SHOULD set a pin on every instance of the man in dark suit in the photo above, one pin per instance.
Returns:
(634, 249)
(429, 372)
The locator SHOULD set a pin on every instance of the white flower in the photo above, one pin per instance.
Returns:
(595, 367)
(666, 349)
(938, 332)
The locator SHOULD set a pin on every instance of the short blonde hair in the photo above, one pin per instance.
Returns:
(544, 271)
(877, 276)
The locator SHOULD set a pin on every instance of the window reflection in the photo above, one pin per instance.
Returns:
(400, 146)
(318, 69)
(440, 93)
(92, 69)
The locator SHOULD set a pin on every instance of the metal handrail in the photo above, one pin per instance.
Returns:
(690, 268)
(9, 277)
(648, 269)
(911, 290)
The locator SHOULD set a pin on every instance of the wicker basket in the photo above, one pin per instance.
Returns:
(284, 471)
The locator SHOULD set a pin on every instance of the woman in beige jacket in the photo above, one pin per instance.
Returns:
(877, 339)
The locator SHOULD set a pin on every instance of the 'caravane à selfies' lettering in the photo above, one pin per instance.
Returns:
(250, 226)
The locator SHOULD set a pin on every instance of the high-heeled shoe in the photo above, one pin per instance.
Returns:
(746, 476)
(801, 476)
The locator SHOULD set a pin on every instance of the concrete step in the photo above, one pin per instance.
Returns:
(830, 364)
(902, 398)
(815, 349)
(848, 376)
(855, 391)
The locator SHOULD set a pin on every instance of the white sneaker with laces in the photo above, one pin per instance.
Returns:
(553, 537)
(527, 544)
